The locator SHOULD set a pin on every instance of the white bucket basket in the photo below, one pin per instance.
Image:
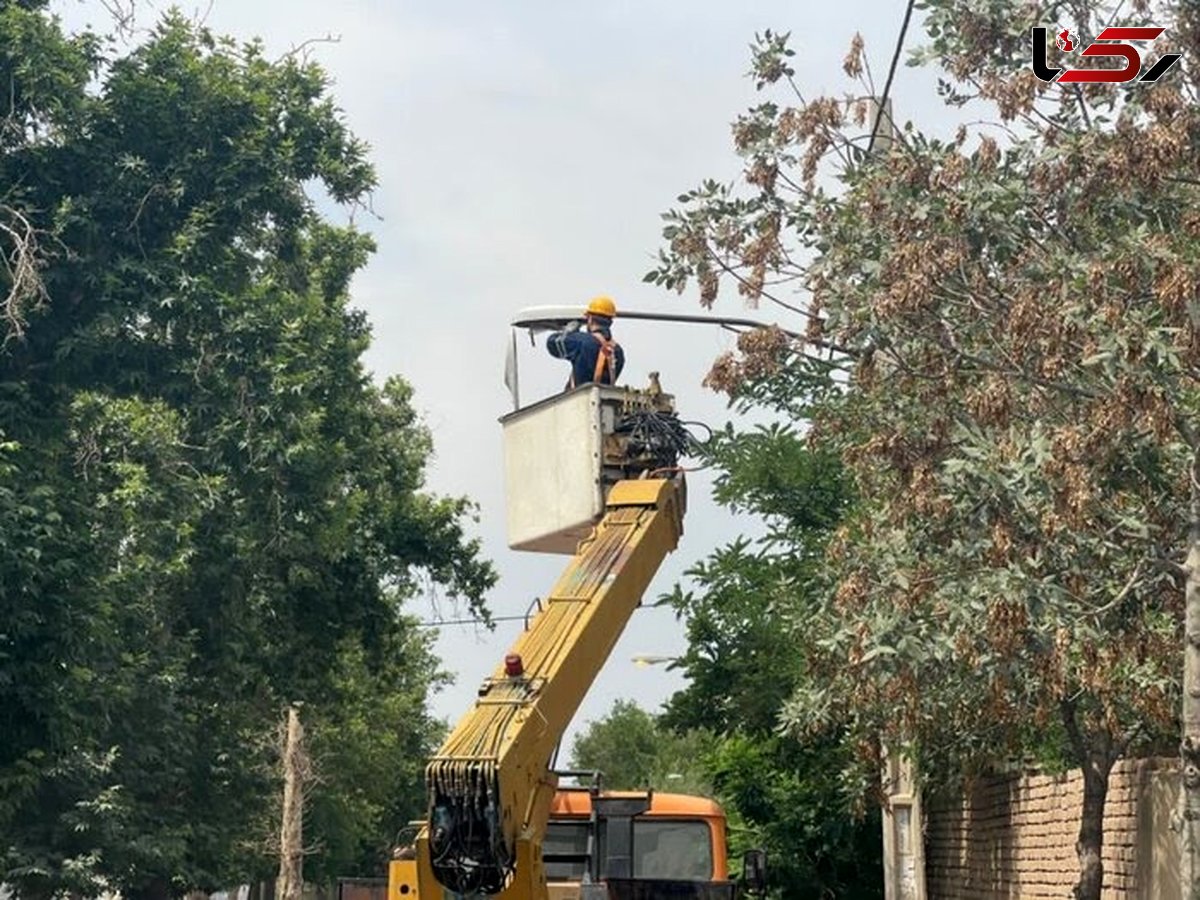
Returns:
(555, 473)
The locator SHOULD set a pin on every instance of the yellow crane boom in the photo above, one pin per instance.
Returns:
(490, 785)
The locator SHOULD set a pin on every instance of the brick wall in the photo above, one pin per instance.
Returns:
(1013, 837)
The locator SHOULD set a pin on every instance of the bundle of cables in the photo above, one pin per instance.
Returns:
(660, 437)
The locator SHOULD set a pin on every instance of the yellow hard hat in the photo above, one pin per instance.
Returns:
(602, 306)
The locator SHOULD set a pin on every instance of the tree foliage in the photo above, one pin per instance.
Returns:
(632, 751)
(207, 508)
(369, 744)
(745, 612)
(1009, 319)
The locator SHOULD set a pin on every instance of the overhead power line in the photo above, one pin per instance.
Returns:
(436, 623)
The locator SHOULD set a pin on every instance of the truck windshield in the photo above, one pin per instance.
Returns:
(679, 849)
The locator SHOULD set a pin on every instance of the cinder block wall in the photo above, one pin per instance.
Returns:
(1013, 837)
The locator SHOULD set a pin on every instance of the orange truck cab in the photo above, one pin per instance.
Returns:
(630, 845)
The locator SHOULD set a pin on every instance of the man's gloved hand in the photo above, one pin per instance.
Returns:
(574, 325)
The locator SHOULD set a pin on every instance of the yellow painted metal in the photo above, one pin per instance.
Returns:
(516, 722)
(403, 879)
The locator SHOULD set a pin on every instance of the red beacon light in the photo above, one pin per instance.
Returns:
(513, 666)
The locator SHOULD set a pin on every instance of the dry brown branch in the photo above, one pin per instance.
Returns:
(301, 50)
(123, 15)
(201, 18)
(22, 265)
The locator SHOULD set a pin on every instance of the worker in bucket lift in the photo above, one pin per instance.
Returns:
(593, 354)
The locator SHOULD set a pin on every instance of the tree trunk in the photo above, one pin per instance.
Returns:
(1096, 758)
(291, 832)
(1091, 825)
(1189, 748)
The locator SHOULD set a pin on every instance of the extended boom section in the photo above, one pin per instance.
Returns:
(490, 786)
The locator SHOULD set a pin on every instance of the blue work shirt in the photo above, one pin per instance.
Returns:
(582, 350)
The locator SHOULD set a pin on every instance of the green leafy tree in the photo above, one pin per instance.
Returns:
(1016, 321)
(632, 751)
(207, 508)
(369, 743)
(745, 617)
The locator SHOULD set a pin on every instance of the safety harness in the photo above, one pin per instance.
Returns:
(604, 360)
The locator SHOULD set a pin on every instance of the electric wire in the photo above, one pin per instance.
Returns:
(437, 623)
(661, 437)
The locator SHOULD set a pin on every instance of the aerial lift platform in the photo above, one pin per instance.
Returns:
(591, 473)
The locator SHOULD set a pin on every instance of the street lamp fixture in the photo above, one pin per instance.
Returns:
(552, 318)
(644, 660)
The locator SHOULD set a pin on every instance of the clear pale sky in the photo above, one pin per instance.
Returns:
(525, 151)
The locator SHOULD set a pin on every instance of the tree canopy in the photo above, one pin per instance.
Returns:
(208, 509)
(1007, 319)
